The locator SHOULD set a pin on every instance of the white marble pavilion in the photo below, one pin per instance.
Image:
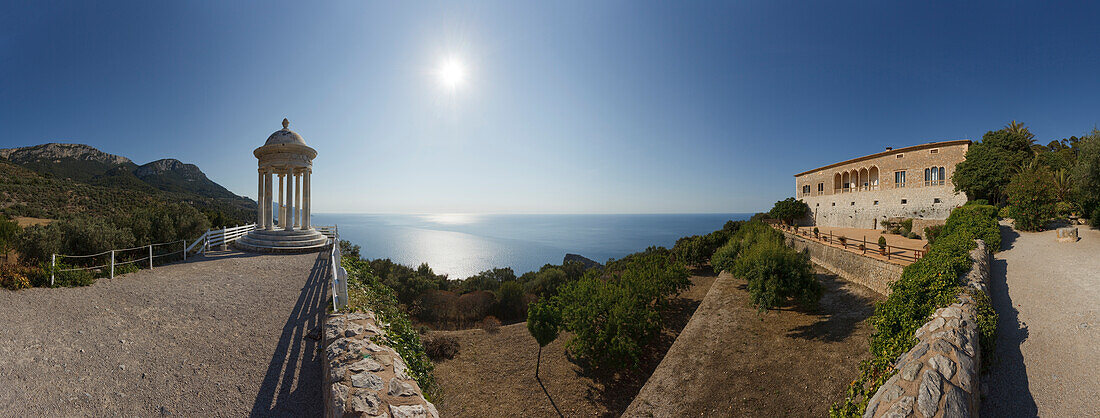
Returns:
(285, 162)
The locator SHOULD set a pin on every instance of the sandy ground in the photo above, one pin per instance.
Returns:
(732, 361)
(1048, 338)
(856, 236)
(216, 337)
(25, 221)
(493, 374)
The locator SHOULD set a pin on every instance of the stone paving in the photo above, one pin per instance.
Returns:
(1047, 294)
(225, 336)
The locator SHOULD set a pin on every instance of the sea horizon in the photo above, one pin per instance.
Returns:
(464, 244)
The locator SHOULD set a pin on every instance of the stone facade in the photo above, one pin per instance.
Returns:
(365, 379)
(911, 182)
(869, 272)
(938, 377)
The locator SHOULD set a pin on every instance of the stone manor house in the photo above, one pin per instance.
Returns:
(911, 182)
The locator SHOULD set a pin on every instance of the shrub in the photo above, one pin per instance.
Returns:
(817, 233)
(976, 202)
(789, 210)
(441, 347)
(512, 303)
(1095, 219)
(882, 243)
(615, 311)
(15, 277)
(1033, 198)
(1005, 212)
(1064, 209)
(490, 324)
(930, 233)
(912, 235)
(776, 272)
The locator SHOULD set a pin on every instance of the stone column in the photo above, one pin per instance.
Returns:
(282, 200)
(298, 199)
(288, 224)
(306, 224)
(260, 200)
(269, 221)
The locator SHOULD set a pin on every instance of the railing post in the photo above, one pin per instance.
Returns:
(184, 250)
(53, 267)
(112, 264)
(150, 256)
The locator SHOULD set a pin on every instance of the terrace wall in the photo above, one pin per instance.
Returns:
(872, 273)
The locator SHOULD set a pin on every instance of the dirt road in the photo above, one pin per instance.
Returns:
(1047, 294)
(217, 337)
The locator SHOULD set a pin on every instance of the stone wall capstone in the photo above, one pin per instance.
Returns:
(365, 379)
(872, 273)
(938, 377)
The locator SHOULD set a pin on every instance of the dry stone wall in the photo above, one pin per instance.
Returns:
(872, 273)
(366, 379)
(938, 377)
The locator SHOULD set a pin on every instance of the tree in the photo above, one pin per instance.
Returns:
(990, 164)
(9, 233)
(511, 298)
(789, 210)
(544, 323)
(1086, 174)
(1032, 196)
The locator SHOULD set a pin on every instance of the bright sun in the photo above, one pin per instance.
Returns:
(452, 74)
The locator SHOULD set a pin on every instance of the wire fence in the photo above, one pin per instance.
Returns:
(859, 244)
(106, 263)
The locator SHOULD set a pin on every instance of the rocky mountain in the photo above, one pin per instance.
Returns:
(57, 179)
(56, 153)
(172, 175)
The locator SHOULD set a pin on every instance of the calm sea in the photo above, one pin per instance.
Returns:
(462, 245)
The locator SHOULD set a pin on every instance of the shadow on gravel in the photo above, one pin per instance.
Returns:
(290, 388)
(840, 312)
(1009, 390)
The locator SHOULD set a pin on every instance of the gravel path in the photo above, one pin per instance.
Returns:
(1048, 344)
(224, 336)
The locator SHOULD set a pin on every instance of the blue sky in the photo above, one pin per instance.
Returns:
(578, 107)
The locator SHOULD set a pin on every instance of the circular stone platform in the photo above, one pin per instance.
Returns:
(285, 242)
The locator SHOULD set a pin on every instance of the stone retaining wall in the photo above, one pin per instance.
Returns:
(365, 379)
(872, 273)
(938, 377)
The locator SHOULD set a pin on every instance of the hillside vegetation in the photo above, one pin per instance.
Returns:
(100, 202)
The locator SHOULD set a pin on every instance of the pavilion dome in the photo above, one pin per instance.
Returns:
(285, 136)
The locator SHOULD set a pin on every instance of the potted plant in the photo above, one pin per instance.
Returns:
(817, 234)
(882, 245)
(843, 241)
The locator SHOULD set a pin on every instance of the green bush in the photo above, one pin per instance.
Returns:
(696, 250)
(789, 210)
(615, 311)
(976, 202)
(1095, 219)
(932, 232)
(882, 243)
(1032, 196)
(776, 272)
(511, 301)
(926, 285)
(1005, 212)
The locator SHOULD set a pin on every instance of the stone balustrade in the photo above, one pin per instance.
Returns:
(938, 377)
(363, 378)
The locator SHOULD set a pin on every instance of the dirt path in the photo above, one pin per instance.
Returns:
(1048, 338)
(494, 373)
(732, 361)
(216, 337)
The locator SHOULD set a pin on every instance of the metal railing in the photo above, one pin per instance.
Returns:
(859, 245)
(339, 274)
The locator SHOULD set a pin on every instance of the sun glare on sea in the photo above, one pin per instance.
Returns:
(450, 218)
(451, 73)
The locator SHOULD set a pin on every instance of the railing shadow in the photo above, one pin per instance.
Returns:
(290, 388)
(1009, 389)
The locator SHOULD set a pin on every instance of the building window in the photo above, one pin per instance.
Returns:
(934, 176)
(853, 204)
(899, 155)
(806, 189)
(820, 188)
(936, 200)
(934, 151)
(899, 179)
(876, 203)
(834, 203)
(903, 201)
